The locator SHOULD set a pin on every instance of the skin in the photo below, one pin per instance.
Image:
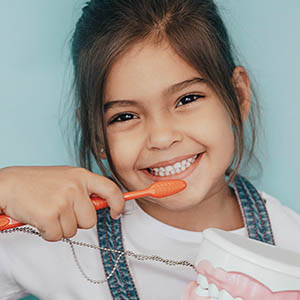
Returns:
(162, 126)
(158, 124)
(55, 199)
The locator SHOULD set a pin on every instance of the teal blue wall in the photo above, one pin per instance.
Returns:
(267, 33)
(35, 79)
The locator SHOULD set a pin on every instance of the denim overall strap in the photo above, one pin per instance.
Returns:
(120, 283)
(254, 211)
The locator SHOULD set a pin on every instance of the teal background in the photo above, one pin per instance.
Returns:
(35, 77)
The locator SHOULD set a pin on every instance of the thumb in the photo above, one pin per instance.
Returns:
(108, 190)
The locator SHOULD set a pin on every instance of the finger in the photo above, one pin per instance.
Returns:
(51, 231)
(108, 190)
(46, 221)
(68, 222)
(85, 213)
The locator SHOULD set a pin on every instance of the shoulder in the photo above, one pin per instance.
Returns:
(285, 223)
(276, 208)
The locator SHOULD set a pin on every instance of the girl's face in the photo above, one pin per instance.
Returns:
(165, 122)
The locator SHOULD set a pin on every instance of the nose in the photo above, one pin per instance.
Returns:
(162, 133)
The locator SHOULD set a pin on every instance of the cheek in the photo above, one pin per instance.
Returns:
(214, 132)
(223, 141)
(214, 129)
(124, 151)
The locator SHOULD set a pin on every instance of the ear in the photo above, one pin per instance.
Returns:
(241, 84)
(102, 152)
(103, 155)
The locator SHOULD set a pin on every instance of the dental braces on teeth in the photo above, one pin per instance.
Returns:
(174, 169)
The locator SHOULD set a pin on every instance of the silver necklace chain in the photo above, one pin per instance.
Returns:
(72, 243)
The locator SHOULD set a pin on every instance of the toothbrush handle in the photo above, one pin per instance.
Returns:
(7, 222)
(100, 203)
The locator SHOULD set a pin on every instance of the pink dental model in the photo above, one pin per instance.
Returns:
(232, 267)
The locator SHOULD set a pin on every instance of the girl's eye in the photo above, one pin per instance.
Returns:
(188, 99)
(123, 117)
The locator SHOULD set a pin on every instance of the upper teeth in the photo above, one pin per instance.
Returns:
(176, 168)
(210, 290)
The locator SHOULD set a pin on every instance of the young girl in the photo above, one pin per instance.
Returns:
(159, 97)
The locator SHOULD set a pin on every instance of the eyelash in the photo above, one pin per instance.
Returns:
(118, 118)
(191, 97)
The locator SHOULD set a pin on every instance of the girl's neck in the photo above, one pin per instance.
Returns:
(221, 211)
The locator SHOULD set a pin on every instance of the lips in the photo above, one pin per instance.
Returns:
(177, 168)
(172, 161)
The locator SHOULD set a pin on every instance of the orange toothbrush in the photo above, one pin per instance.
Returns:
(158, 189)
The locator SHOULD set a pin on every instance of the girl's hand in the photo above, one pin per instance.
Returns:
(56, 199)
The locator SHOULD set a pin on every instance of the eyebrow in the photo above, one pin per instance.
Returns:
(119, 103)
(181, 85)
(170, 90)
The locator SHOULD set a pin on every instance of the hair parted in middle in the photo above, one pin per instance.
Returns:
(194, 30)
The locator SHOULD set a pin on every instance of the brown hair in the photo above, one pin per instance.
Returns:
(193, 28)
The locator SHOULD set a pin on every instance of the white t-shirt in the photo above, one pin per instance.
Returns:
(28, 264)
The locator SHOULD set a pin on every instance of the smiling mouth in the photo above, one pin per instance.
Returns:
(174, 169)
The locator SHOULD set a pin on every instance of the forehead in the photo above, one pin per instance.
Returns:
(146, 67)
